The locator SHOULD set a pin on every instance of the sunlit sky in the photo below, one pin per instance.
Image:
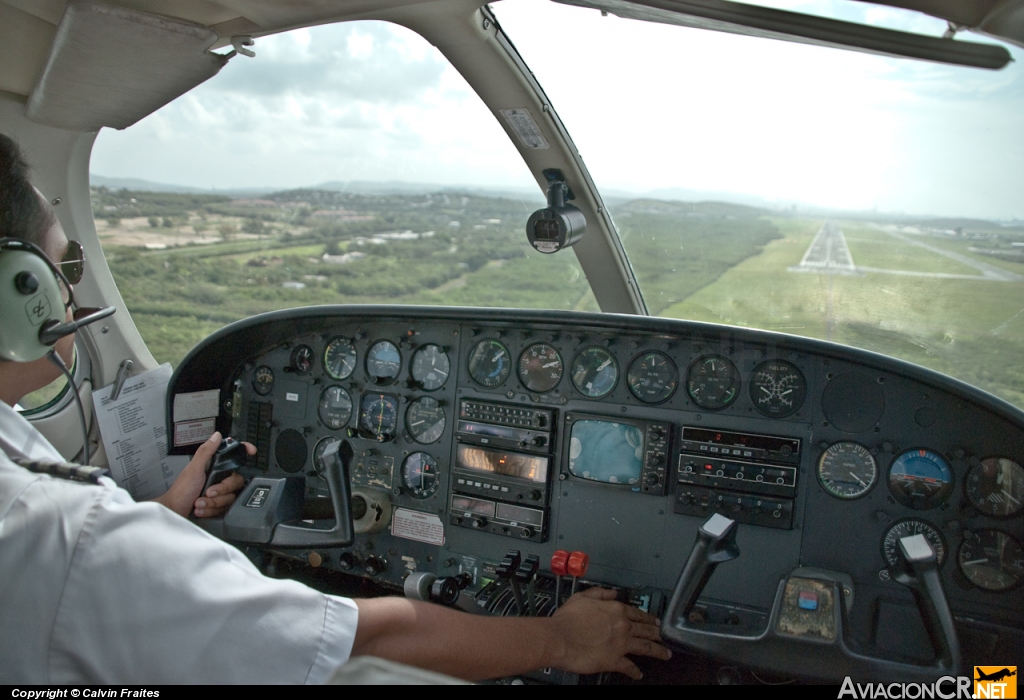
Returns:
(652, 108)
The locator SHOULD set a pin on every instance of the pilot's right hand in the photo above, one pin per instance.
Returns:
(600, 632)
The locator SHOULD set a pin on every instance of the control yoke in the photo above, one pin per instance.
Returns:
(268, 511)
(817, 600)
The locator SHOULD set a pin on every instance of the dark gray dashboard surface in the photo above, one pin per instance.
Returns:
(635, 537)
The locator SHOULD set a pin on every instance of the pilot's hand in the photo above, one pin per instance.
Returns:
(184, 494)
(600, 631)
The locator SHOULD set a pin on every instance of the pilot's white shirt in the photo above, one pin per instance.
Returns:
(97, 588)
(20, 440)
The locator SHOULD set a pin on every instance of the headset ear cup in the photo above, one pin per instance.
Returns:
(30, 296)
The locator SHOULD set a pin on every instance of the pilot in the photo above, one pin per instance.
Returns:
(97, 588)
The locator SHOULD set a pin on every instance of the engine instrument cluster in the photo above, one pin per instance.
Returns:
(475, 432)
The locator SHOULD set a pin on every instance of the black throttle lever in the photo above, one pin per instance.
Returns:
(920, 573)
(716, 543)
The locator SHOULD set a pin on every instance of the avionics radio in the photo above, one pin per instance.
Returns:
(749, 478)
(482, 478)
(501, 469)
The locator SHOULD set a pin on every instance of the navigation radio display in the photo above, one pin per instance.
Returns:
(606, 451)
(501, 463)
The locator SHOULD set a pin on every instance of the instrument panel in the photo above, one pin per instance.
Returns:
(478, 431)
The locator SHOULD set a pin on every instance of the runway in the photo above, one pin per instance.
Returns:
(828, 253)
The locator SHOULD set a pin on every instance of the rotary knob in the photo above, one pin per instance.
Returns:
(375, 565)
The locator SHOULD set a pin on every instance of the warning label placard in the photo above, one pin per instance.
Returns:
(413, 525)
(525, 128)
(191, 432)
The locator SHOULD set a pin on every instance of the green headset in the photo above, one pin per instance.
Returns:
(32, 308)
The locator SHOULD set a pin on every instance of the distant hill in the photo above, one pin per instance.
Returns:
(136, 184)
(399, 187)
(388, 187)
(614, 197)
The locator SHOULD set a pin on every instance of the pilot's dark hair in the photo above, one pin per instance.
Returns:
(23, 212)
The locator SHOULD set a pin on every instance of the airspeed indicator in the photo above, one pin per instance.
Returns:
(847, 470)
(340, 358)
(594, 372)
(489, 363)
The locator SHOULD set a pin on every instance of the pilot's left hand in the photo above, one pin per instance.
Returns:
(184, 494)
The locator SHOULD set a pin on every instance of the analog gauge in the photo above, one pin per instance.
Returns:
(263, 380)
(920, 479)
(594, 373)
(991, 559)
(652, 377)
(430, 367)
(420, 475)
(340, 358)
(489, 363)
(996, 487)
(383, 361)
(378, 415)
(302, 358)
(335, 408)
(777, 388)
(713, 382)
(540, 368)
(847, 470)
(425, 420)
(319, 450)
(906, 528)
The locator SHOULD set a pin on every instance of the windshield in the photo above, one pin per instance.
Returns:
(344, 164)
(866, 200)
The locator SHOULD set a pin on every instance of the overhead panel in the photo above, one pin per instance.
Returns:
(111, 66)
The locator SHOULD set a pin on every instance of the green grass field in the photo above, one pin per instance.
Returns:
(971, 330)
(873, 248)
(705, 261)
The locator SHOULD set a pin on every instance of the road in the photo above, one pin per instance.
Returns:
(989, 272)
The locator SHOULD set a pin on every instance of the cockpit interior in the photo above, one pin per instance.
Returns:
(793, 508)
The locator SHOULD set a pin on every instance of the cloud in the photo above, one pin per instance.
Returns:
(668, 107)
(355, 61)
